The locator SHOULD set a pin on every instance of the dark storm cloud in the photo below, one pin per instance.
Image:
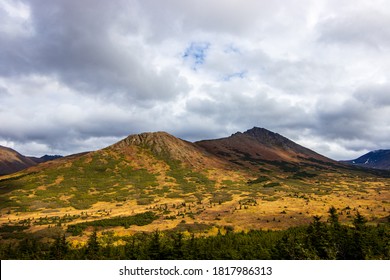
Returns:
(81, 43)
(359, 122)
(347, 120)
(374, 95)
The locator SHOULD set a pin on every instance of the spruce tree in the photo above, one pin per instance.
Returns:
(93, 247)
(60, 248)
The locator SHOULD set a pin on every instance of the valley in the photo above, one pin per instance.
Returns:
(248, 181)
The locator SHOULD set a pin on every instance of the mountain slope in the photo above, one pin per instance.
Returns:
(11, 161)
(379, 159)
(261, 146)
(142, 168)
(255, 179)
(167, 147)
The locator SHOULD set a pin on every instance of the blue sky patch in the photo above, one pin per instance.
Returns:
(196, 53)
(240, 75)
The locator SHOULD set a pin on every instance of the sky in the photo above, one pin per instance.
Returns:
(81, 75)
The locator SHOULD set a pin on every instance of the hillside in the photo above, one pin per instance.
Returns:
(11, 161)
(379, 159)
(251, 180)
(167, 147)
(259, 146)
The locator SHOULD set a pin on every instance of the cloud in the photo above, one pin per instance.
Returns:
(375, 95)
(87, 51)
(362, 27)
(14, 19)
(3, 92)
(80, 75)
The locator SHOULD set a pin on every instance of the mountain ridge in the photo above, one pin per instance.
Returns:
(11, 161)
(45, 158)
(250, 180)
(259, 145)
(378, 159)
(165, 145)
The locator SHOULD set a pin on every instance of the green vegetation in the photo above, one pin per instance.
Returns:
(189, 181)
(190, 197)
(258, 180)
(12, 228)
(319, 240)
(138, 219)
(88, 179)
(221, 196)
(271, 185)
(303, 174)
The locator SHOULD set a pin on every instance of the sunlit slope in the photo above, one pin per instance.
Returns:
(143, 167)
(255, 179)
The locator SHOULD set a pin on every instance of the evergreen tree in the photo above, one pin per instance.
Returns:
(333, 218)
(359, 246)
(60, 248)
(29, 249)
(130, 249)
(338, 235)
(319, 239)
(359, 222)
(293, 246)
(178, 242)
(155, 250)
(93, 247)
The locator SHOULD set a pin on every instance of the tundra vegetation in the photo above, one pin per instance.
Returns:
(238, 197)
(321, 239)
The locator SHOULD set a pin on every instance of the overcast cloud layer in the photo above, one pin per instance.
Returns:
(81, 75)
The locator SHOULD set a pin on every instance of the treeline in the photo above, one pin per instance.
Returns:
(138, 219)
(319, 240)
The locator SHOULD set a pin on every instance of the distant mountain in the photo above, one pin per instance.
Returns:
(11, 161)
(45, 158)
(379, 159)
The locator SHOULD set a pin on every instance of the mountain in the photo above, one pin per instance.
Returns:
(259, 146)
(45, 158)
(143, 168)
(250, 180)
(379, 159)
(167, 147)
(11, 161)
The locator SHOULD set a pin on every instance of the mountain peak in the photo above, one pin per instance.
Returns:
(165, 145)
(259, 131)
(157, 139)
(379, 159)
(260, 144)
(269, 138)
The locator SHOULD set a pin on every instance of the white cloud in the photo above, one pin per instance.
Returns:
(15, 19)
(74, 77)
